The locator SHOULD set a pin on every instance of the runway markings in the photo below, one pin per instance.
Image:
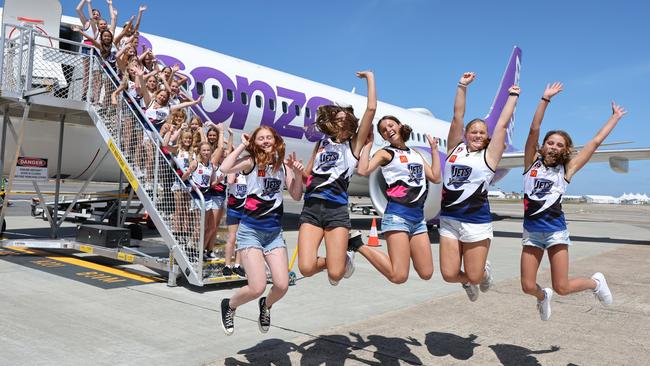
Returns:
(75, 268)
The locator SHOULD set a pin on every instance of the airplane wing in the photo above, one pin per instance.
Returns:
(618, 159)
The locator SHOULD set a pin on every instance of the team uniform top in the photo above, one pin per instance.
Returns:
(219, 188)
(157, 116)
(263, 208)
(543, 190)
(202, 176)
(334, 164)
(237, 193)
(466, 177)
(406, 183)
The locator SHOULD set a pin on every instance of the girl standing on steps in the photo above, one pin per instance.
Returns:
(407, 175)
(548, 173)
(259, 237)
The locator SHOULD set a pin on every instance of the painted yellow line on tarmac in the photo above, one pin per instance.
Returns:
(82, 263)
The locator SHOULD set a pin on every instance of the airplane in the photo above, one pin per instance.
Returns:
(244, 95)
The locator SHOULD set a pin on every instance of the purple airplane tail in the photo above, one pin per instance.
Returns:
(510, 77)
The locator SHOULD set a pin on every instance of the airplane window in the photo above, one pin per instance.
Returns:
(230, 95)
(272, 104)
(285, 107)
(215, 91)
(418, 136)
(199, 88)
(244, 98)
(258, 101)
(308, 112)
(412, 136)
(297, 110)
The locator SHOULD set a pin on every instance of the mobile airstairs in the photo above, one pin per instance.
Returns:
(48, 78)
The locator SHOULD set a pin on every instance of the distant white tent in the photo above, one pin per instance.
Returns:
(634, 198)
(593, 198)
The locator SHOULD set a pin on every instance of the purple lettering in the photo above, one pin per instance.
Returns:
(243, 86)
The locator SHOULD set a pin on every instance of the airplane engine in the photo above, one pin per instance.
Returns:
(377, 191)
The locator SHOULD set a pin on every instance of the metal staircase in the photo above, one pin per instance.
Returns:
(41, 78)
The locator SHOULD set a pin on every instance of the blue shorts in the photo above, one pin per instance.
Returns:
(265, 241)
(196, 202)
(218, 202)
(545, 240)
(390, 222)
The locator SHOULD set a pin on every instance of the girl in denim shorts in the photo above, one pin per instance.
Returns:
(259, 237)
(548, 173)
(407, 175)
(325, 213)
(465, 220)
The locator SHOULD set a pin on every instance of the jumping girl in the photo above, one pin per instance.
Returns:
(550, 169)
(234, 213)
(259, 238)
(407, 175)
(465, 222)
(325, 212)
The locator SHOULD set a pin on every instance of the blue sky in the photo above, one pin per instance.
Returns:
(419, 48)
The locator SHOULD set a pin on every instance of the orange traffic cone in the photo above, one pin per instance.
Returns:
(373, 239)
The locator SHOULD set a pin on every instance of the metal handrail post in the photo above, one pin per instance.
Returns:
(30, 62)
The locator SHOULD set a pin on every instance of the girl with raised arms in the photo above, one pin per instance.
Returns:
(465, 222)
(259, 237)
(407, 175)
(325, 212)
(548, 173)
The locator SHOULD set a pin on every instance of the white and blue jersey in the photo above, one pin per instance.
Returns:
(465, 181)
(263, 208)
(202, 177)
(406, 184)
(334, 164)
(543, 190)
(237, 196)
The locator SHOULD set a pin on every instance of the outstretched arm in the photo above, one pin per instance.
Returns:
(433, 172)
(368, 115)
(497, 142)
(218, 152)
(137, 22)
(186, 104)
(80, 12)
(585, 154)
(533, 134)
(113, 13)
(233, 163)
(456, 129)
(367, 164)
(87, 36)
(294, 169)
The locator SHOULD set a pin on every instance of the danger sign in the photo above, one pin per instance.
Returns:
(29, 168)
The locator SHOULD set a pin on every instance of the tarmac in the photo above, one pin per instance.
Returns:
(50, 318)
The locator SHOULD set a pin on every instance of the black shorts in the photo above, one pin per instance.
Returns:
(325, 214)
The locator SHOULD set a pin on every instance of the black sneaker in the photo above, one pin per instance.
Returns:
(264, 320)
(355, 241)
(239, 271)
(227, 271)
(227, 317)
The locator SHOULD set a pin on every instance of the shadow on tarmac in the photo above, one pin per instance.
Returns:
(336, 350)
(589, 239)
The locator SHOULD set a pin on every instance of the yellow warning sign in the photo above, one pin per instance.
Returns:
(125, 257)
(122, 163)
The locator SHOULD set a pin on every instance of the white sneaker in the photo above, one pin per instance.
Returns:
(602, 292)
(486, 282)
(349, 265)
(544, 306)
(472, 291)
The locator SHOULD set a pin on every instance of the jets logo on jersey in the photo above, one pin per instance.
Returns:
(415, 173)
(240, 190)
(328, 160)
(542, 187)
(271, 187)
(459, 175)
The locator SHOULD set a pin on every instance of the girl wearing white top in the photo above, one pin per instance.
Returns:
(465, 223)
(549, 170)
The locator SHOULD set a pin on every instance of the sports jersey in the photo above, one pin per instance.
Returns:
(406, 183)
(202, 176)
(237, 193)
(466, 177)
(219, 187)
(157, 116)
(334, 164)
(263, 208)
(543, 190)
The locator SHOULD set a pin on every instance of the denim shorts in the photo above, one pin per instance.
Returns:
(218, 202)
(196, 202)
(265, 241)
(390, 222)
(466, 232)
(545, 240)
(325, 214)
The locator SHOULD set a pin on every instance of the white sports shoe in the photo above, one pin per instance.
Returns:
(602, 292)
(544, 306)
(472, 291)
(486, 282)
(349, 265)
